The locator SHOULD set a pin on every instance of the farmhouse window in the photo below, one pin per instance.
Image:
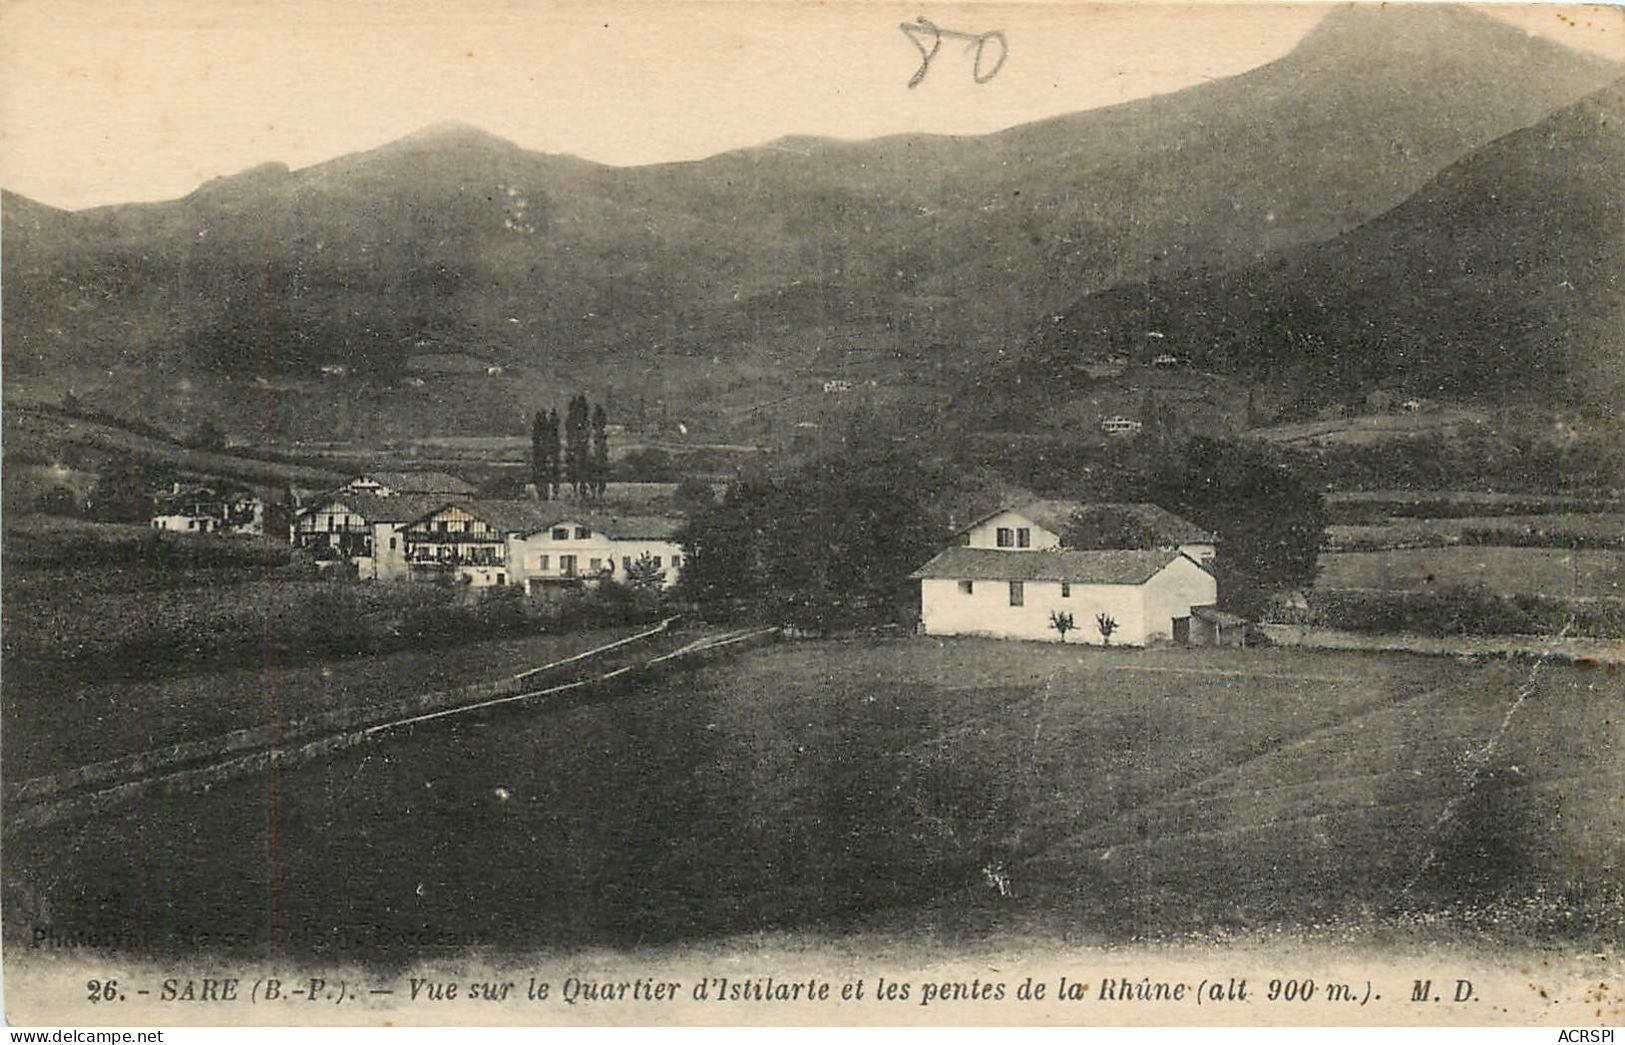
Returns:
(1024, 538)
(657, 562)
(392, 544)
(560, 533)
(1018, 593)
(541, 562)
(502, 580)
(1005, 538)
(676, 562)
(966, 587)
(582, 533)
(964, 538)
(567, 565)
(595, 565)
(626, 563)
(1066, 590)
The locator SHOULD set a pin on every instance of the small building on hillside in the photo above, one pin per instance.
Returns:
(409, 484)
(185, 522)
(202, 509)
(1147, 596)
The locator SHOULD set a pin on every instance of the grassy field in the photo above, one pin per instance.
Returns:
(43, 434)
(73, 721)
(1475, 502)
(1368, 429)
(1553, 572)
(1592, 527)
(947, 789)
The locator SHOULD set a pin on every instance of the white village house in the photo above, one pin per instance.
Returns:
(1009, 574)
(499, 543)
(576, 544)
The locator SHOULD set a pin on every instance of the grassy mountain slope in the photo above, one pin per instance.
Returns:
(1503, 275)
(679, 280)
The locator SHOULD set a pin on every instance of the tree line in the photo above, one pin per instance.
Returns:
(570, 452)
(830, 542)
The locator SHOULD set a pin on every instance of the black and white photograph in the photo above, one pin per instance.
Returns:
(716, 512)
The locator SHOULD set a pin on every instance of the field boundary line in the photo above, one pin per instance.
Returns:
(640, 636)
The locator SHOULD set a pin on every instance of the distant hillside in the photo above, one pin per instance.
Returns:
(679, 280)
(1504, 275)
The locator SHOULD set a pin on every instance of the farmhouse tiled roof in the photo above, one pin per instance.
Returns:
(1157, 519)
(1074, 567)
(610, 524)
(525, 517)
(377, 509)
(1054, 515)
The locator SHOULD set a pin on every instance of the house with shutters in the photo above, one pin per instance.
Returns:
(494, 543)
(575, 546)
(358, 528)
(1008, 576)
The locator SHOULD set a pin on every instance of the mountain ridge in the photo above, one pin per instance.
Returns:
(758, 258)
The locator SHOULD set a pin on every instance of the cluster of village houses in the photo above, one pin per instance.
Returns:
(1006, 574)
(391, 526)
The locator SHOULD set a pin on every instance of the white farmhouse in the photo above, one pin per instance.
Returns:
(185, 522)
(1009, 574)
(573, 546)
(1148, 595)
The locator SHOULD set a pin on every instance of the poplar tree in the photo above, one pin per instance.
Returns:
(554, 462)
(600, 450)
(538, 454)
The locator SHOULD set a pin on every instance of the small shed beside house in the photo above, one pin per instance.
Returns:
(1211, 626)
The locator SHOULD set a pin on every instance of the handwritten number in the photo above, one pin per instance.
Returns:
(923, 26)
(1004, 52)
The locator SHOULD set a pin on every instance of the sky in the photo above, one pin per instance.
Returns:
(119, 100)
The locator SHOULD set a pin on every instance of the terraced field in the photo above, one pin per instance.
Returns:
(1553, 572)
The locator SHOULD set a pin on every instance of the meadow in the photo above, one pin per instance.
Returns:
(1550, 572)
(1589, 530)
(950, 789)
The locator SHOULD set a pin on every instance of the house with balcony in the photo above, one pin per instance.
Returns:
(460, 541)
(357, 528)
